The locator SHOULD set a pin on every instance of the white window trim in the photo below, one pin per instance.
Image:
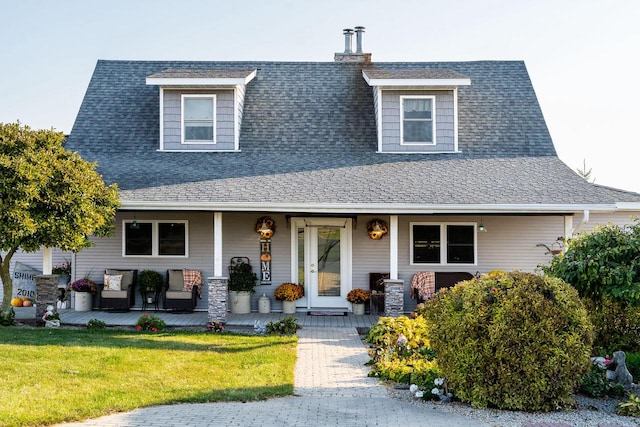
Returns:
(155, 240)
(433, 119)
(444, 243)
(192, 95)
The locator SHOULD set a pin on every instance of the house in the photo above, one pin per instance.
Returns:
(453, 159)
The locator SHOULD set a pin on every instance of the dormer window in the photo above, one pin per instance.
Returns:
(416, 110)
(198, 119)
(418, 120)
(201, 109)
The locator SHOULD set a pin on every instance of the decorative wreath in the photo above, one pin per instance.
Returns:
(265, 227)
(376, 228)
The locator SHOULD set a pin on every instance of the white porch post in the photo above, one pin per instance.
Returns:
(393, 249)
(217, 244)
(47, 261)
(568, 227)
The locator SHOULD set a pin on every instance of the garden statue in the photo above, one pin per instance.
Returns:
(621, 375)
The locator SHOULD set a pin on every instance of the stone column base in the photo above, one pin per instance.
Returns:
(393, 297)
(218, 294)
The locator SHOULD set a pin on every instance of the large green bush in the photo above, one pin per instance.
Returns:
(616, 326)
(602, 263)
(413, 360)
(513, 341)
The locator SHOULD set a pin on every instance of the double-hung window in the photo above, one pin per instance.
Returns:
(199, 119)
(433, 243)
(417, 120)
(155, 238)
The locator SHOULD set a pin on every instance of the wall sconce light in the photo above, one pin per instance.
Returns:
(134, 224)
(481, 226)
(266, 227)
(376, 228)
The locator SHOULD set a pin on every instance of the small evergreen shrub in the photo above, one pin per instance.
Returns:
(95, 324)
(401, 352)
(286, 326)
(151, 322)
(512, 341)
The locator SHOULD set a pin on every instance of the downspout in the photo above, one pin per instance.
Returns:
(585, 220)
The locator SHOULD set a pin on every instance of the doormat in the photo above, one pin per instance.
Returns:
(327, 313)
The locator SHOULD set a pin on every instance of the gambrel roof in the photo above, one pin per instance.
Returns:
(308, 143)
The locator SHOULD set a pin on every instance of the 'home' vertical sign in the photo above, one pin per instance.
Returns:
(265, 261)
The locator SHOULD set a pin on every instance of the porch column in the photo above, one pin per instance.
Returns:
(217, 299)
(47, 260)
(393, 247)
(393, 297)
(217, 244)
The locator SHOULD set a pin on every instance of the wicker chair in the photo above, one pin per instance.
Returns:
(173, 295)
(123, 299)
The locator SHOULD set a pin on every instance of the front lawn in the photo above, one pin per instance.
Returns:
(49, 376)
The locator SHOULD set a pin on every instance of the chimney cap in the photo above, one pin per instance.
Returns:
(347, 30)
(360, 28)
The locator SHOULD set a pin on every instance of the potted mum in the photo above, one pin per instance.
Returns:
(288, 293)
(83, 290)
(358, 297)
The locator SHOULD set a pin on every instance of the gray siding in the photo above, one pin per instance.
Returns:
(107, 252)
(444, 115)
(225, 139)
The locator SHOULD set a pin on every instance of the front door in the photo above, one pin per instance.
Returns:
(323, 252)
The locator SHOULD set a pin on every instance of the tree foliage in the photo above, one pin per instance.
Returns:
(49, 197)
(604, 263)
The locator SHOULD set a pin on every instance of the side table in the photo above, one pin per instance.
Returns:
(150, 298)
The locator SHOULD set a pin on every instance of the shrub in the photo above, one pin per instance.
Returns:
(616, 326)
(96, 324)
(214, 326)
(7, 318)
(514, 341)
(595, 384)
(286, 326)
(149, 281)
(148, 322)
(399, 361)
(602, 263)
(631, 407)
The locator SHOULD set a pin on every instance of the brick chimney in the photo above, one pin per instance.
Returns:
(348, 55)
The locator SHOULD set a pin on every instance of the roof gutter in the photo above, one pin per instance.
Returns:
(382, 208)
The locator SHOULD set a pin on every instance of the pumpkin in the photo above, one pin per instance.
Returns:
(16, 302)
(27, 303)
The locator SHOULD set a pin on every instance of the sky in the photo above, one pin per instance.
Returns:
(583, 57)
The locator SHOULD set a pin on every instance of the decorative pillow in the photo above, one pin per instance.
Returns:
(192, 278)
(112, 283)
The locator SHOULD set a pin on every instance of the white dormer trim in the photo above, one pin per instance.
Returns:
(201, 81)
(422, 83)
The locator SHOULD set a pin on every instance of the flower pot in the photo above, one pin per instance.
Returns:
(358, 309)
(83, 301)
(63, 280)
(289, 307)
(240, 302)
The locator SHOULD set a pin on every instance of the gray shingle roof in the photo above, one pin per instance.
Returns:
(414, 74)
(309, 137)
(191, 73)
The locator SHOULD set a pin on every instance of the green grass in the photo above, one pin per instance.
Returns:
(50, 376)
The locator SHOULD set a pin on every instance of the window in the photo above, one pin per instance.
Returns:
(198, 119)
(155, 238)
(417, 119)
(427, 243)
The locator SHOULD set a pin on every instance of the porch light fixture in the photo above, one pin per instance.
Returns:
(135, 225)
(481, 226)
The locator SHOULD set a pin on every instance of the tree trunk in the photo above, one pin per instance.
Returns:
(7, 283)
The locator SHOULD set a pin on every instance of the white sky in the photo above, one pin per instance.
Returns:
(583, 56)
